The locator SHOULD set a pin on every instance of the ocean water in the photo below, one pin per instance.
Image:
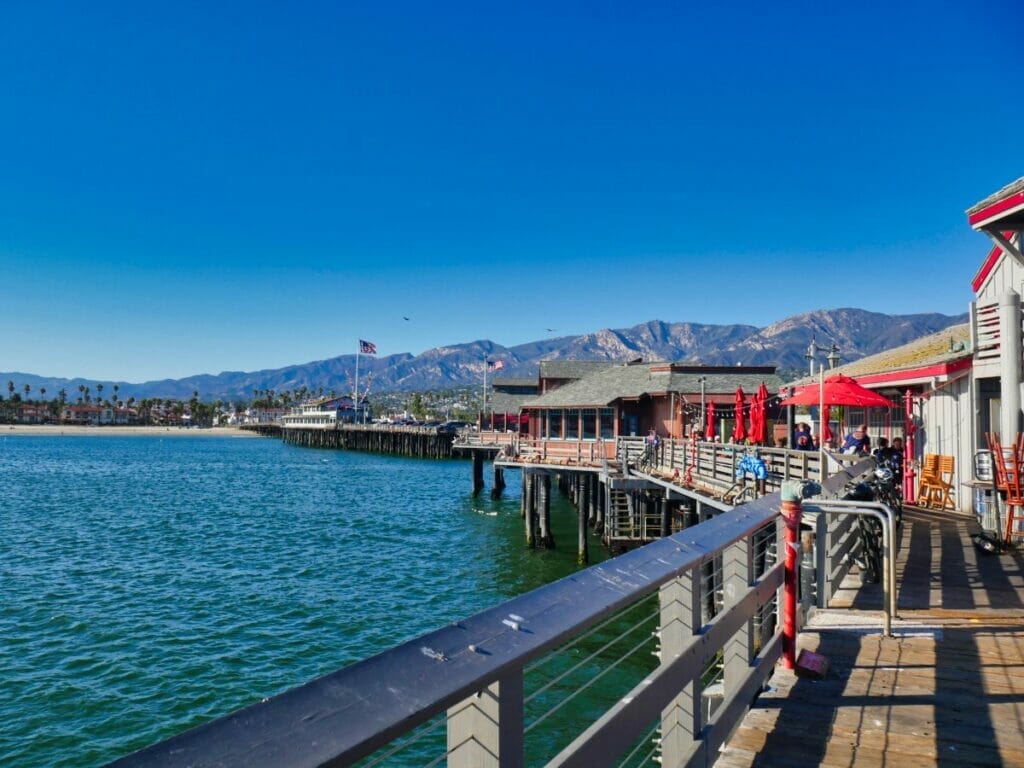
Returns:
(150, 584)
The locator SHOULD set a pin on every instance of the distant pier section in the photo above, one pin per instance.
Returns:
(333, 424)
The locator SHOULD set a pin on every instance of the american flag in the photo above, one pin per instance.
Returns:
(495, 365)
(367, 347)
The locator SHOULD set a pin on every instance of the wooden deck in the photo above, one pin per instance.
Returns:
(947, 690)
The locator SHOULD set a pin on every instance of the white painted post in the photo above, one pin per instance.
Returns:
(1009, 366)
(737, 576)
(681, 720)
(486, 730)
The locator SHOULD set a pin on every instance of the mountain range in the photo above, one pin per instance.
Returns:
(855, 332)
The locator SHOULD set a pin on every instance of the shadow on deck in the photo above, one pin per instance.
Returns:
(947, 690)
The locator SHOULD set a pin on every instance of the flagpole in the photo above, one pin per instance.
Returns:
(483, 407)
(355, 395)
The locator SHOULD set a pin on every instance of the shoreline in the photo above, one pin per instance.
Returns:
(79, 430)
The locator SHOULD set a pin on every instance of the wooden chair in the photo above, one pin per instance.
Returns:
(1008, 463)
(936, 485)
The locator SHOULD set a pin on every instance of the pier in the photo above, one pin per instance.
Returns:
(627, 496)
(395, 440)
(946, 688)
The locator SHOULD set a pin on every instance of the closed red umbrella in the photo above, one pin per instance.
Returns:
(710, 432)
(826, 433)
(739, 432)
(759, 431)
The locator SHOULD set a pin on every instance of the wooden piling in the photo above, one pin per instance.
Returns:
(545, 539)
(531, 508)
(582, 555)
(478, 472)
(499, 482)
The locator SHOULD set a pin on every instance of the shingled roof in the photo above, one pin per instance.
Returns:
(946, 346)
(1010, 189)
(636, 380)
(573, 369)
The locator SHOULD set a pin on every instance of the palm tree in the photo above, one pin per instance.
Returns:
(42, 393)
(27, 388)
(99, 391)
(10, 388)
(115, 391)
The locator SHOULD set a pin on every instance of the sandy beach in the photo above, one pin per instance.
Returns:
(57, 430)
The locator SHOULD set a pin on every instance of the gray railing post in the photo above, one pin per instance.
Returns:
(737, 576)
(486, 730)
(681, 720)
(822, 543)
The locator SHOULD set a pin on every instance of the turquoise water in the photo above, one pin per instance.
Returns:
(150, 584)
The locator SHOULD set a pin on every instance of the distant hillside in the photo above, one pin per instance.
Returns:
(857, 333)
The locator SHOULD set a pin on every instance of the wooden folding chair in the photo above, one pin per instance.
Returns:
(929, 482)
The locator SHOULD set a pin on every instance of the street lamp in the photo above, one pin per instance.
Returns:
(811, 354)
(702, 380)
(833, 357)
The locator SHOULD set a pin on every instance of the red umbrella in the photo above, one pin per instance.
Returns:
(759, 429)
(838, 390)
(710, 433)
(739, 432)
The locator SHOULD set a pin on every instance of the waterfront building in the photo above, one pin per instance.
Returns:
(327, 413)
(619, 400)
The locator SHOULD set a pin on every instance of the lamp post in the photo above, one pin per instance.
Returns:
(703, 411)
(811, 354)
(833, 357)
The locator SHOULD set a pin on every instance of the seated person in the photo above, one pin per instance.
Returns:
(802, 440)
(857, 441)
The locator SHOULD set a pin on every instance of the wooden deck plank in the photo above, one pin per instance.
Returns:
(947, 690)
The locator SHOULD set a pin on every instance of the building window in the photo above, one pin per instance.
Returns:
(554, 425)
(572, 424)
(589, 423)
(607, 419)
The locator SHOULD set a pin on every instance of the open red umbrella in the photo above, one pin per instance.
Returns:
(739, 432)
(838, 390)
(710, 432)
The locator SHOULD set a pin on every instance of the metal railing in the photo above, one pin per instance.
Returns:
(716, 586)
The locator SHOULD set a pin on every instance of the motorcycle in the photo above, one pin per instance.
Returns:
(882, 486)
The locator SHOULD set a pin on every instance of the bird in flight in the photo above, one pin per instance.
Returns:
(550, 330)
(405, 318)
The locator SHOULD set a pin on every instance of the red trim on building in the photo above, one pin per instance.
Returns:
(940, 369)
(1014, 200)
(988, 266)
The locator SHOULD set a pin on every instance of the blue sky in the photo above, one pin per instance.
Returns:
(193, 187)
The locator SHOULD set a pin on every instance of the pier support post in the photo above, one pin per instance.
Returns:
(544, 512)
(531, 507)
(478, 472)
(523, 497)
(583, 485)
(666, 517)
(499, 482)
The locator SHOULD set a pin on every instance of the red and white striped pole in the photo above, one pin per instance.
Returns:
(791, 513)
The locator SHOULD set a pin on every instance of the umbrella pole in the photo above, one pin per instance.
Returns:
(821, 424)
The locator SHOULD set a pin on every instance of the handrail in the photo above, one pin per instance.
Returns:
(350, 713)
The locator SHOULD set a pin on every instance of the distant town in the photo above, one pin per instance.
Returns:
(101, 406)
